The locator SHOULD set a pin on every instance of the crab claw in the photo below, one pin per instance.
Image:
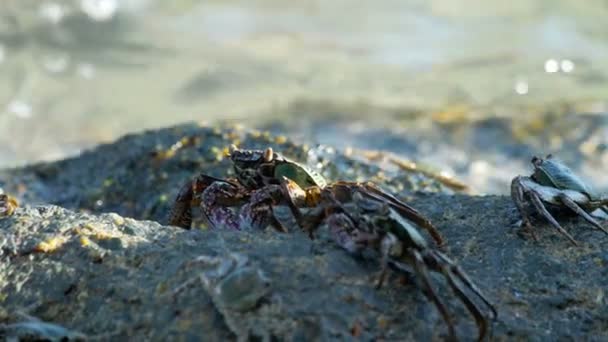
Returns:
(295, 194)
(232, 148)
(188, 196)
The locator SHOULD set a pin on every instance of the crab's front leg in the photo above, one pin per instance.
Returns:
(524, 186)
(216, 200)
(518, 197)
(212, 194)
(258, 212)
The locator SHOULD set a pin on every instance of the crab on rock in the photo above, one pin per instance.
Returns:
(256, 190)
(358, 216)
(362, 215)
(553, 184)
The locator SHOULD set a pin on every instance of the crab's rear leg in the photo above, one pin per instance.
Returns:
(577, 209)
(407, 211)
(464, 278)
(450, 270)
(538, 204)
(421, 270)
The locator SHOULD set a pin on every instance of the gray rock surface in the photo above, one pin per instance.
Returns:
(112, 277)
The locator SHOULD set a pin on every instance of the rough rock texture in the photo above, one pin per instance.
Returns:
(112, 277)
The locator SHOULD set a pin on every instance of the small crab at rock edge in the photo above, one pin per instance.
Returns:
(554, 185)
(256, 188)
(362, 215)
(8, 204)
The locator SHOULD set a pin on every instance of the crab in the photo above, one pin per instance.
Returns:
(362, 215)
(8, 204)
(359, 216)
(257, 190)
(553, 184)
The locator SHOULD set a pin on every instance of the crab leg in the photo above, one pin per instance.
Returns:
(464, 278)
(517, 193)
(217, 214)
(577, 209)
(258, 213)
(181, 212)
(542, 210)
(421, 271)
(385, 246)
(482, 324)
(415, 216)
(450, 270)
(406, 210)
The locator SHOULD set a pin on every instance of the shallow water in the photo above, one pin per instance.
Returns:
(418, 78)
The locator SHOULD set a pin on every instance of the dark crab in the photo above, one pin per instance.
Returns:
(361, 215)
(257, 168)
(257, 190)
(555, 185)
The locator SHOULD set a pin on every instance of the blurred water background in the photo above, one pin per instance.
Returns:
(469, 87)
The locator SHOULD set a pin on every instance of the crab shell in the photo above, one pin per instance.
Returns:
(272, 167)
(551, 172)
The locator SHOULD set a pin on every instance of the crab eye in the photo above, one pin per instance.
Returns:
(268, 154)
(232, 148)
(536, 161)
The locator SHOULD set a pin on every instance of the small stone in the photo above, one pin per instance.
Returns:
(242, 289)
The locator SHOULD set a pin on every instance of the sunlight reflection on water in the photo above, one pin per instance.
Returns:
(79, 72)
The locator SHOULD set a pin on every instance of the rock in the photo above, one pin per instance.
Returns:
(118, 276)
(153, 285)
(38, 331)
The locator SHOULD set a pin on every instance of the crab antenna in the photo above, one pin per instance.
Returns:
(268, 154)
(232, 148)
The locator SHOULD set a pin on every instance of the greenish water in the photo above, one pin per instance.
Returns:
(77, 73)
